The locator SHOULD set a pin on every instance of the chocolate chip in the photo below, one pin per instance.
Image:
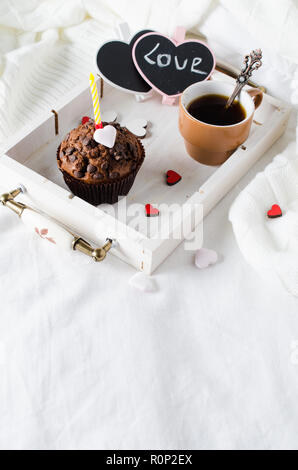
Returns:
(78, 174)
(119, 147)
(93, 144)
(91, 168)
(114, 174)
(132, 148)
(86, 141)
(133, 166)
(94, 153)
(70, 150)
(72, 158)
(97, 176)
(104, 166)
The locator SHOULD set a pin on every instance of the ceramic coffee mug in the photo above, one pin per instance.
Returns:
(208, 143)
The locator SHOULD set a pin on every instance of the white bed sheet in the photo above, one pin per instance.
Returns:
(208, 361)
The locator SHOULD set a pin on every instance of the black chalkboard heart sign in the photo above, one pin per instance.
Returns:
(170, 68)
(115, 65)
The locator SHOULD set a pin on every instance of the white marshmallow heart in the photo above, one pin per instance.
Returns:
(109, 116)
(205, 257)
(143, 282)
(137, 127)
(105, 136)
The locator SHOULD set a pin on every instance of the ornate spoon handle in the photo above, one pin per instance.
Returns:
(252, 62)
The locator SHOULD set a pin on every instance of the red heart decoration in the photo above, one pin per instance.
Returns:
(274, 212)
(173, 177)
(85, 119)
(151, 211)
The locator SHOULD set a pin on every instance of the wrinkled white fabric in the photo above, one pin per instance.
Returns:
(210, 359)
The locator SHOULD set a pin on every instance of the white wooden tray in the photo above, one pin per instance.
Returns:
(30, 159)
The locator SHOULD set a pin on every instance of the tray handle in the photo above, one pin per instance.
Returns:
(49, 230)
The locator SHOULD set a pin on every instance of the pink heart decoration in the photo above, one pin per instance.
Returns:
(169, 66)
(173, 177)
(105, 136)
(274, 212)
(85, 119)
(151, 211)
(205, 257)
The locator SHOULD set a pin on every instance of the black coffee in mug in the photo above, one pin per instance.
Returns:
(212, 110)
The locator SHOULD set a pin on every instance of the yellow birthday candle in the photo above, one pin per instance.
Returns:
(95, 101)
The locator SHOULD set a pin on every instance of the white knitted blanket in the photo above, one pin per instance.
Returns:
(271, 245)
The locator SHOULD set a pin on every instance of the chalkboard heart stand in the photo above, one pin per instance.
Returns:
(178, 37)
(124, 34)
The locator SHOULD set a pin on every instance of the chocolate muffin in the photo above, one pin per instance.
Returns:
(96, 173)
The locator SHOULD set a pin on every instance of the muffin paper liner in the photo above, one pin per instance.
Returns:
(100, 193)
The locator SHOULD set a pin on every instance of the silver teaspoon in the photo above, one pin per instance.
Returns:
(252, 62)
